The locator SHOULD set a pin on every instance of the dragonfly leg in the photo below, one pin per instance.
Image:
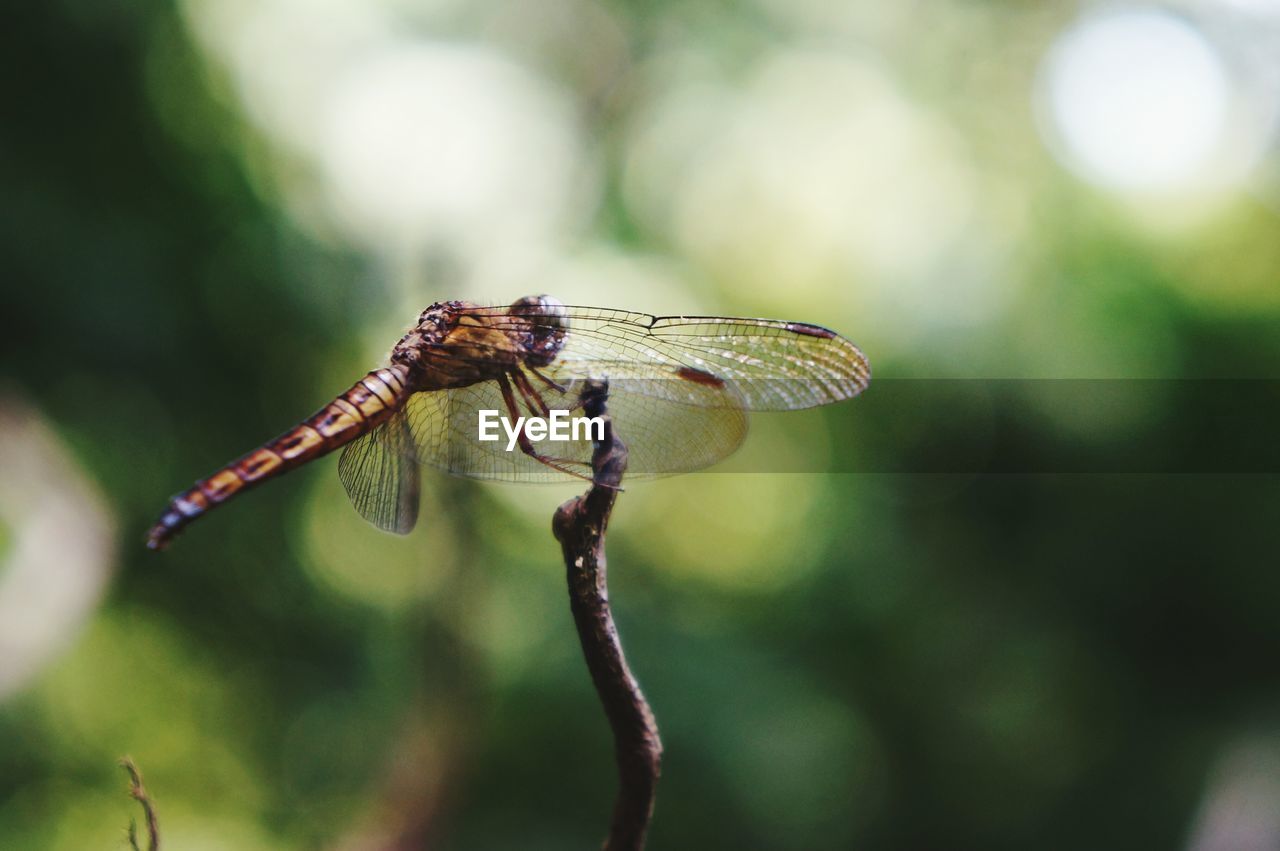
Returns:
(531, 398)
(537, 404)
(522, 438)
(552, 383)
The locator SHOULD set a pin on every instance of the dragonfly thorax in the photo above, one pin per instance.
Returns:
(434, 325)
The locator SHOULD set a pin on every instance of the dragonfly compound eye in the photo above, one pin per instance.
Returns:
(548, 320)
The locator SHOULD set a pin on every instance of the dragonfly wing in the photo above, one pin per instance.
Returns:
(445, 430)
(380, 473)
(772, 365)
(675, 426)
(686, 428)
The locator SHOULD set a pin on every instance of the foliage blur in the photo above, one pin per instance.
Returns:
(218, 213)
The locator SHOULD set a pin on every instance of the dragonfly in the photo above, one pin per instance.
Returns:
(679, 390)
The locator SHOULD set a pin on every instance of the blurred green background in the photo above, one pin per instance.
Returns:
(217, 214)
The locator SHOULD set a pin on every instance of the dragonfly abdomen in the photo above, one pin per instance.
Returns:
(368, 402)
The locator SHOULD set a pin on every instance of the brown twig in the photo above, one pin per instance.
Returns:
(580, 526)
(139, 794)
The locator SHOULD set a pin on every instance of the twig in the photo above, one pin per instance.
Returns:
(580, 526)
(139, 793)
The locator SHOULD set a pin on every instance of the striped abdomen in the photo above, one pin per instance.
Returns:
(369, 402)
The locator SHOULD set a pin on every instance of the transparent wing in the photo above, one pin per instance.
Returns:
(685, 427)
(770, 364)
(381, 476)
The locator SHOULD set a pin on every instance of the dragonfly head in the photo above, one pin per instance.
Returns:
(548, 321)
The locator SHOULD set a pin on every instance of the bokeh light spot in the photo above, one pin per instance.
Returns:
(443, 140)
(1135, 100)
